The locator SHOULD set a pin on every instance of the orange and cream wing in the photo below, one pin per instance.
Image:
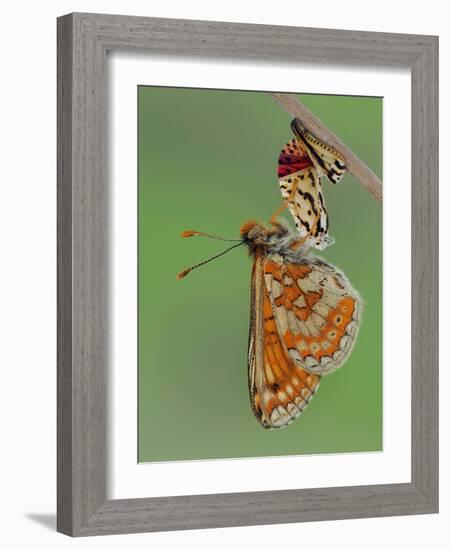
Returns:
(316, 312)
(279, 388)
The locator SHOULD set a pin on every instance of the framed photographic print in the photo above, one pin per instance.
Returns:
(247, 274)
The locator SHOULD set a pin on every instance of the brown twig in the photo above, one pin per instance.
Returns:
(355, 166)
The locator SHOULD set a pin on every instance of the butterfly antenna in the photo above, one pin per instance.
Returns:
(183, 274)
(190, 233)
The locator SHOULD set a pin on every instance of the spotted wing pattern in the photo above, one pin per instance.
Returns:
(326, 159)
(301, 163)
(315, 310)
(280, 389)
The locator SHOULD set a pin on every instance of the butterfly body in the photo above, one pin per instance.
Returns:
(303, 323)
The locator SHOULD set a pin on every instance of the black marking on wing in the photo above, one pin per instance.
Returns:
(321, 201)
(331, 172)
(307, 196)
(305, 223)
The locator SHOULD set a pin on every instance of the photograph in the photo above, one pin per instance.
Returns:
(259, 277)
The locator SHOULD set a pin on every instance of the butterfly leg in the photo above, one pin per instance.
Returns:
(278, 211)
(298, 244)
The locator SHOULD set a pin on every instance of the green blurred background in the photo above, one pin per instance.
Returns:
(208, 161)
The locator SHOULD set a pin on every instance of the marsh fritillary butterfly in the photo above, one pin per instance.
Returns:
(304, 313)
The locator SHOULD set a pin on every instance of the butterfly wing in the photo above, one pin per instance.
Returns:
(302, 191)
(279, 388)
(326, 159)
(316, 311)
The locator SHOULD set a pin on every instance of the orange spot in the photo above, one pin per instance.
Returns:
(271, 267)
(267, 307)
(299, 271)
(302, 313)
(343, 312)
(291, 293)
(333, 335)
(289, 339)
(347, 306)
(312, 298)
(270, 326)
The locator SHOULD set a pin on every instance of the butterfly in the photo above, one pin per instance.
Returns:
(301, 164)
(304, 318)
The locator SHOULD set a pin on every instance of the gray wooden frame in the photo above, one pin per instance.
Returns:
(83, 41)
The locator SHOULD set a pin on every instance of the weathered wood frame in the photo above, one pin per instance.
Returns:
(83, 41)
